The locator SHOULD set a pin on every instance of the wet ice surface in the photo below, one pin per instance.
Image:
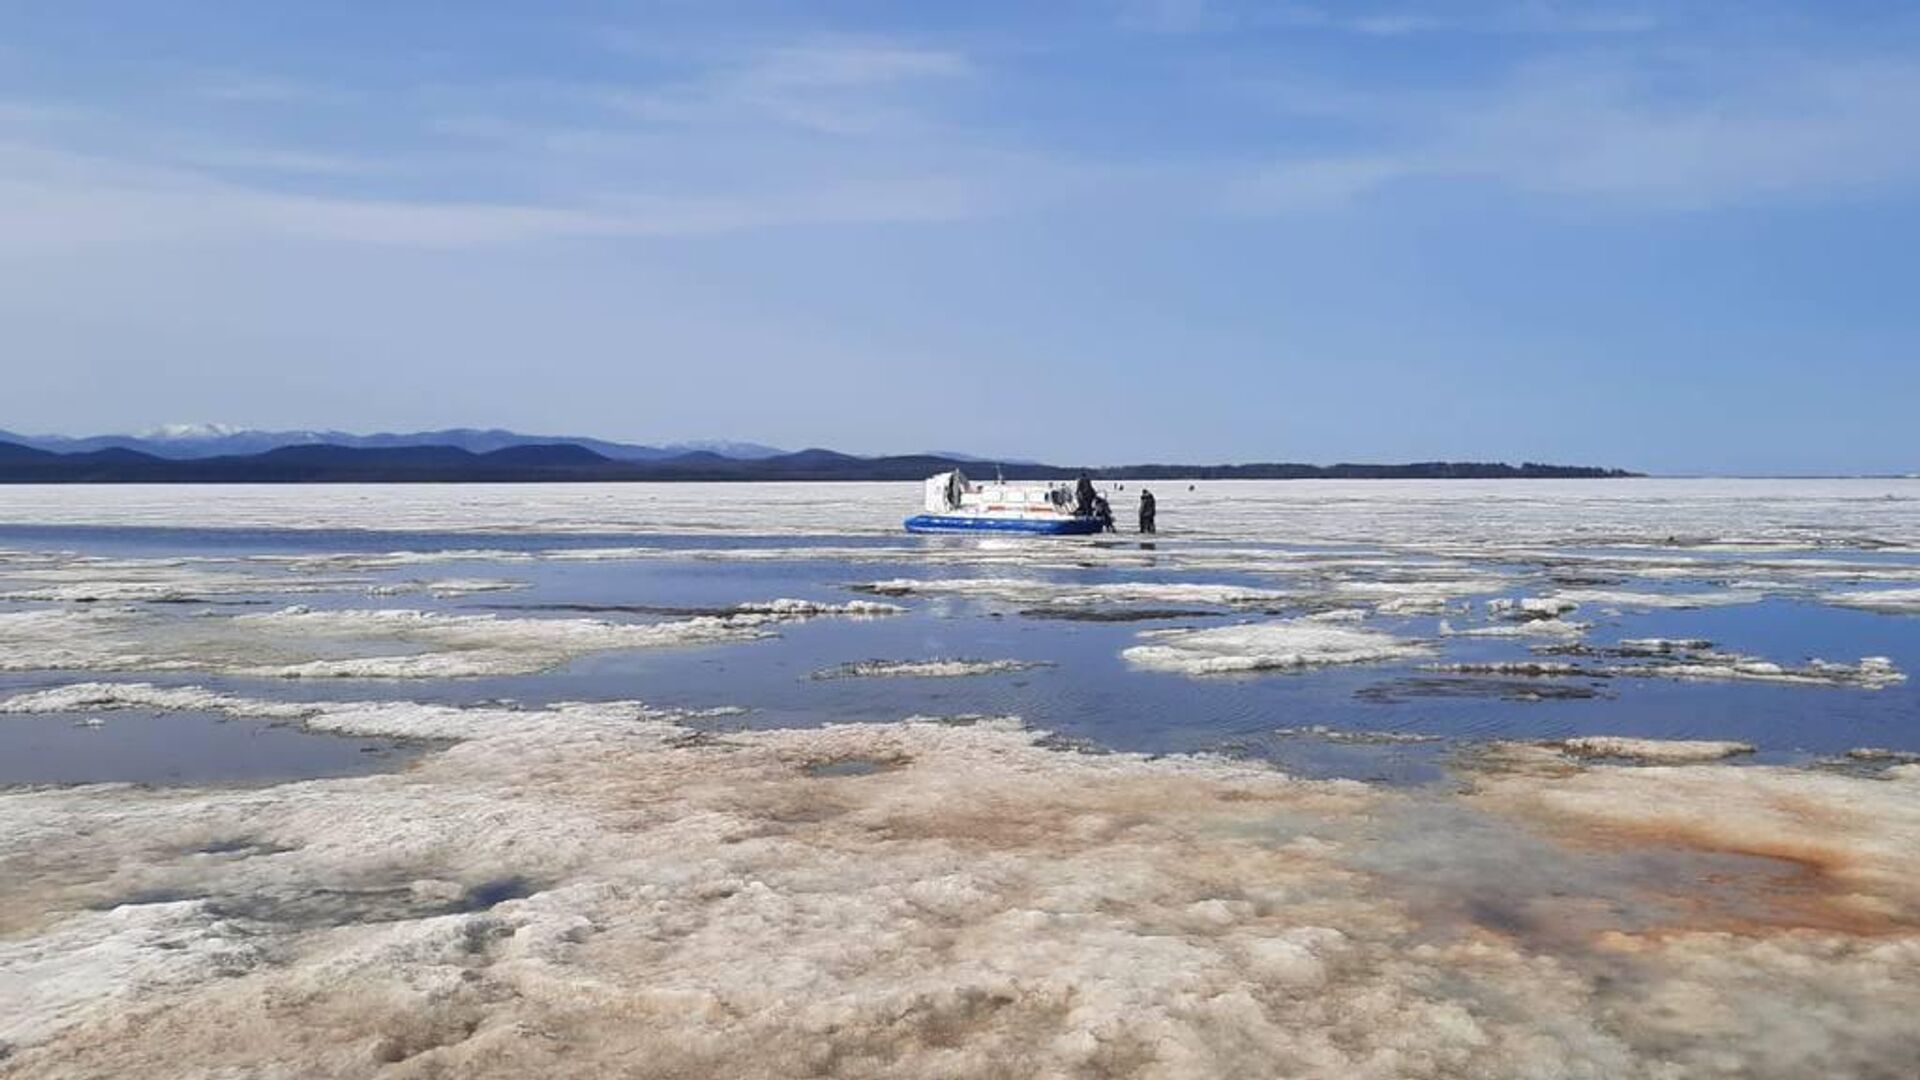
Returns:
(173, 747)
(1638, 793)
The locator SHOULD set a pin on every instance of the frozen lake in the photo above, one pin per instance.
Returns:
(1480, 611)
(1582, 715)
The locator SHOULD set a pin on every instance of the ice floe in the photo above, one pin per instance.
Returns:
(387, 719)
(1660, 750)
(1661, 646)
(1364, 738)
(1531, 628)
(1880, 753)
(1627, 599)
(88, 696)
(1869, 673)
(1043, 591)
(1280, 644)
(489, 644)
(445, 588)
(1886, 601)
(1530, 608)
(801, 608)
(1527, 668)
(398, 643)
(60, 577)
(87, 581)
(1409, 595)
(1697, 658)
(926, 669)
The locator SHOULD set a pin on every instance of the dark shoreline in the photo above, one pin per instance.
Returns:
(569, 463)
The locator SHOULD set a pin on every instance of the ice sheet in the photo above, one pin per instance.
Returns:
(572, 894)
(1621, 598)
(382, 643)
(1887, 601)
(583, 889)
(64, 577)
(1737, 515)
(1280, 644)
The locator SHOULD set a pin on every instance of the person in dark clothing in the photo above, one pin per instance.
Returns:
(1104, 512)
(1083, 496)
(1146, 511)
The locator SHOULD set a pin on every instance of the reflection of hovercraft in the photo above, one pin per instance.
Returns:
(957, 504)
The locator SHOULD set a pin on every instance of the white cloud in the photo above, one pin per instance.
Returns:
(1685, 133)
(1393, 24)
(56, 200)
(849, 63)
(829, 130)
(737, 146)
(831, 86)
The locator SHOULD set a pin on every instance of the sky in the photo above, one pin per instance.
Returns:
(1674, 237)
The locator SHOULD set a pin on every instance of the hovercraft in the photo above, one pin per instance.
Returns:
(955, 504)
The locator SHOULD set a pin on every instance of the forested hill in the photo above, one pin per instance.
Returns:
(569, 462)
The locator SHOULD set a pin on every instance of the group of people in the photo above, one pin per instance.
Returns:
(1090, 503)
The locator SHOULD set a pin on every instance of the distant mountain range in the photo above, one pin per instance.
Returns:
(186, 441)
(467, 455)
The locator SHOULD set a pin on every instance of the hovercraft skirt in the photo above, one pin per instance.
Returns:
(954, 523)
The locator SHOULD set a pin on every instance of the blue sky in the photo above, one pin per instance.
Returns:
(1677, 237)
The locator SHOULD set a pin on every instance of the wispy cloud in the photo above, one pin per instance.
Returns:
(1543, 17)
(840, 87)
(57, 200)
(245, 159)
(1173, 16)
(257, 89)
(827, 129)
(1393, 23)
(753, 138)
(1685, 133)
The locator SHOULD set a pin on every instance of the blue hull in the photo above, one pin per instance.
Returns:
(945, 523)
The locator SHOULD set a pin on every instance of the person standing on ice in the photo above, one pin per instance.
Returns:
(1146, 511)
(1083, 495)
(1104, 512)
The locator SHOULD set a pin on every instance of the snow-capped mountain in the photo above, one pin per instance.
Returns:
(739, 451)
(191, 432)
